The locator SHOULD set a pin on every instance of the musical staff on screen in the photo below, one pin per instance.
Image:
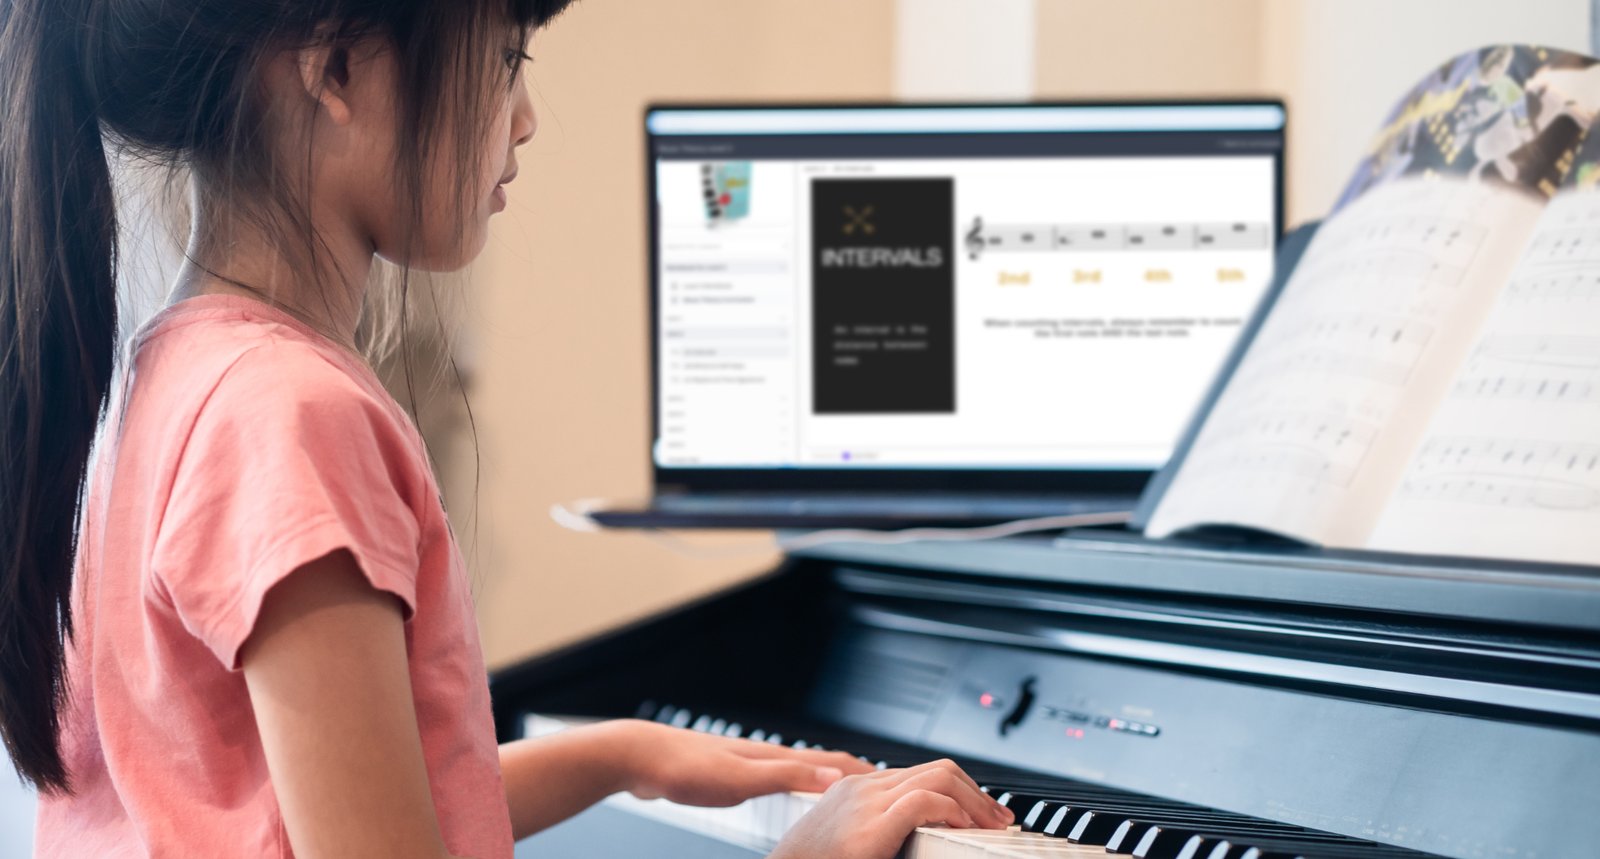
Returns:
(982, 238)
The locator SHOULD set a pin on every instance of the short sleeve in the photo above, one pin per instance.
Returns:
(289, 460)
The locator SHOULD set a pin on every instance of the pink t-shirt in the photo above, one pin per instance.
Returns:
(248, 445)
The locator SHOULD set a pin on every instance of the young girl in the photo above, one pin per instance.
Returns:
(242, 627)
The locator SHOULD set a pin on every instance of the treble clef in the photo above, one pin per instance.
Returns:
(975, 238)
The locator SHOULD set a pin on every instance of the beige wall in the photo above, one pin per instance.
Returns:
(1344, 63)
(1339, 64)
(1148, 48)
(558, 339)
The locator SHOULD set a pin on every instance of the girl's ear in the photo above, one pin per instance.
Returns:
(325, 74)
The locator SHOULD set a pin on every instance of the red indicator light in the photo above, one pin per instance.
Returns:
(1075, 733)
(986, 700)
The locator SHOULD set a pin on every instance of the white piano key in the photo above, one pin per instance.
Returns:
(762, 822)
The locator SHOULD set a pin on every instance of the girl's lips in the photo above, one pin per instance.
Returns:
(499, 198)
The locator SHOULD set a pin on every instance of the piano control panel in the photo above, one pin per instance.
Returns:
(1244, 747)
(1023, 702)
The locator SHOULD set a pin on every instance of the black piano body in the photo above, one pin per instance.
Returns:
(1445, 706)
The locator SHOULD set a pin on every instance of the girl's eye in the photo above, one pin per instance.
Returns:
(515, 57)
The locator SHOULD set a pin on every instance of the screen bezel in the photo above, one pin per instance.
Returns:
(669, 480)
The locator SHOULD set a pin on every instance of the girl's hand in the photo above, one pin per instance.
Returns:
(869, 816)
(692, 768)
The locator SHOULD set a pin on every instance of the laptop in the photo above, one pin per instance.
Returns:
(893, 315)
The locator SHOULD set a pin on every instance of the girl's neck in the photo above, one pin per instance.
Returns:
(324, 290)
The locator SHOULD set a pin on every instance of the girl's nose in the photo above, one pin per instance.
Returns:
(524, 121)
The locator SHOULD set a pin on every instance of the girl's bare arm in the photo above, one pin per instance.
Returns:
(328, 679)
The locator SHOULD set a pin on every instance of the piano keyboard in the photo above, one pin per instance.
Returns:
(1056, 817)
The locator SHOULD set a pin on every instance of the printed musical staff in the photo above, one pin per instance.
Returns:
(1506, 473)
(1434, 236)
(982, 238)
(1377, 347)
(1322, 448)
(1540, 388)
(1572, 245)
(1570, 351)
(1578, 287)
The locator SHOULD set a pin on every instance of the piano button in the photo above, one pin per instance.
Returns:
(651, 711)
(799, 744)
(734, 729)
(702, 723)
(1127, 836)
(775, 739)
(758, 736)
(681, 719)
(1063, 820)
(717, 726)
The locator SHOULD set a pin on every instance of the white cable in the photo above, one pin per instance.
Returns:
(985, 532)
(576, 517)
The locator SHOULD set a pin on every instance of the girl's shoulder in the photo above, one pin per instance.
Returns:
(213, 350)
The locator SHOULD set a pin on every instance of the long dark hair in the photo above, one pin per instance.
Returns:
(176, 81)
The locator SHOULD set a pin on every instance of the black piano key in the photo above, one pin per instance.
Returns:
(1038, 815)
(1019, 803)
(1127, 835)
(1167, 842)
(1096, 827)
(1174, 842)
(1064, 819)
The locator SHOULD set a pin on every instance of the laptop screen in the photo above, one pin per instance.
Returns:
(1037, 288)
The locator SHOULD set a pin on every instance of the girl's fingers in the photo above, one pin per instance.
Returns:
(753, 777)
(950, 783)
(923, 807)
(943, 764)
(848, 763)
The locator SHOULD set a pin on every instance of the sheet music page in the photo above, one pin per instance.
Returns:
(1510, 465)
(1321, 419)
(1310, 436)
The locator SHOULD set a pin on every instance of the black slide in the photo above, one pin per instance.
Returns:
(883, 284)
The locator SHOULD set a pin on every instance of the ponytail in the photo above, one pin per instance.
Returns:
(58, 321)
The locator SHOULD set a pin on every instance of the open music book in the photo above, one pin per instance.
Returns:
(1428, 378)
